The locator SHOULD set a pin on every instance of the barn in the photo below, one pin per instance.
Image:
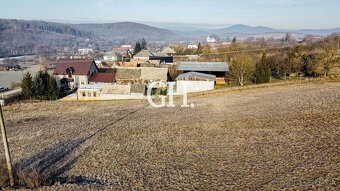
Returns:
(195, 82)
(218, 69)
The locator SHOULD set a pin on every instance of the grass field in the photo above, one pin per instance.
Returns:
(270, 138)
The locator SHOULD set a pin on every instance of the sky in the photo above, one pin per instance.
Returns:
(280, 14)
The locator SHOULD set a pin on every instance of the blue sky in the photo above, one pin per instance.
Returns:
(288, 14)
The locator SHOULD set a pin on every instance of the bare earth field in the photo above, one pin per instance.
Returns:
(284, 137)
(8, 77)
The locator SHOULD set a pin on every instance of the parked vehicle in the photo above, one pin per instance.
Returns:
(3, 89)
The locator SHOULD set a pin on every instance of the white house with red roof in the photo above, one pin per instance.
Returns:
(70, 74)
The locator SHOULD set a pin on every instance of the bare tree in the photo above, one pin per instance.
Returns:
(242, 68)
(328, 59)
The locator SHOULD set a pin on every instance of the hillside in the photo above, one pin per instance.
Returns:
(273, 138)
(126, 30)
(20, 37)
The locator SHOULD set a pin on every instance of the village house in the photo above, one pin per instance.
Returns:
(146, 55)
(123, 83)
(126, 48)
(141, 75)
(85, 51)
(70, 74)
(143, 55)
(113, 56)
(169, 51)
(109, 92)
(192, 46)
(218, 69)
(211, 39)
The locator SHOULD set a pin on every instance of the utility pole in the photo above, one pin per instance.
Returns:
(7, 152)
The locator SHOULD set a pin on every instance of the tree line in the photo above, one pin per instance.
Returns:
(42, 86)
(259, 61)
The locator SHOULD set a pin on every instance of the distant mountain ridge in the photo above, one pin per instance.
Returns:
(245, 30)
(125, 30)
(19, 37)
(239, 28)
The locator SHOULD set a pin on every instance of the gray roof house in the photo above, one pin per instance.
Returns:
(145, 55)
(113, 56)
(169, 51)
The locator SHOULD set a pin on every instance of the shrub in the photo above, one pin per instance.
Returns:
(30, 178)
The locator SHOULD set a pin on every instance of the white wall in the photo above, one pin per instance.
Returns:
(194, 86)
(78, 80)
(121, 96)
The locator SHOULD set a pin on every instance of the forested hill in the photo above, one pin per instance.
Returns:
(126, 30)
(20, 37)
(39, 26)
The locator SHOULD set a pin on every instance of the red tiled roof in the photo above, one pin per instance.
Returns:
(80, 66)
(103, 77)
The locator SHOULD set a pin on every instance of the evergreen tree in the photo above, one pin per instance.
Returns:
(45, 78)
(263, 70)
(199, 49)
(137, 48)
(287, 38)
(52, 89)
(234, 40)
(39, 86)
(143, 45)
(26, 86)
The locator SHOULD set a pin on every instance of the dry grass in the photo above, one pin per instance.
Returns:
(4, 179)
(30, 178)
(257, 139)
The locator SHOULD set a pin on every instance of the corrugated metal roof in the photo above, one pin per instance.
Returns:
(203, 66)
(196, 74)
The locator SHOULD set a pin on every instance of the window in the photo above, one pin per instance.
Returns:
(69, 72)
(94, 94)
(83, 94)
